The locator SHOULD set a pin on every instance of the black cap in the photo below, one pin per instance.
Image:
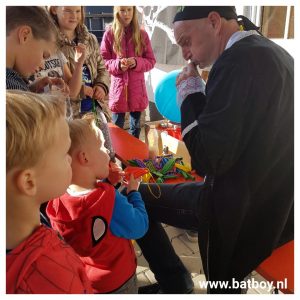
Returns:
(199, 12)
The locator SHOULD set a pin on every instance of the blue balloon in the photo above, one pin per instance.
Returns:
(165, 97)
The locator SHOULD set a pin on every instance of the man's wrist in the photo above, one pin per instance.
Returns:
(189, 86)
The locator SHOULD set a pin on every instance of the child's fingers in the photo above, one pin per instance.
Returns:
(99, 92)
(88, 91)
(124, 182)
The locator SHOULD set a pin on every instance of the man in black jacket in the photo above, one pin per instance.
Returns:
(239, 130)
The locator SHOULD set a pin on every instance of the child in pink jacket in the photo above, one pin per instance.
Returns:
(128, 54)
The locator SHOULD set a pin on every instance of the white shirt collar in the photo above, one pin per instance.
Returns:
(239, 35)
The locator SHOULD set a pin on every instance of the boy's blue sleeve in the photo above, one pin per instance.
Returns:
(129, 219)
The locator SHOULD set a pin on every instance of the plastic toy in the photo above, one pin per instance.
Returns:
(135, 171)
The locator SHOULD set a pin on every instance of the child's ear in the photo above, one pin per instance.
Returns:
(82, 158)
(26, 182)
(53, 10)
(24, 33)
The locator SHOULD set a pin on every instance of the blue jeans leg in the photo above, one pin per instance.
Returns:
(135, 124)
(118, 119)
(178, 206)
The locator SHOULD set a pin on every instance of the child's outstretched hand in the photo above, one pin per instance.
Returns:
(115, 173)
(133, 184)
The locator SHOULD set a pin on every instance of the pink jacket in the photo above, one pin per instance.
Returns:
(128, 89)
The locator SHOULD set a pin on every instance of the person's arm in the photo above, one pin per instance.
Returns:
(75, 80)
(147, 61)
(213, 124)
(129, 219)
(106, 49)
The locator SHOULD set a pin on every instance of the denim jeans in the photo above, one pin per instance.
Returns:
(134, 122)
(178, 206)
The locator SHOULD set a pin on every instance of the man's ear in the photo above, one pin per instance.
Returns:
(24, 33)
(82, 157)
(26, 182)
(215, 20)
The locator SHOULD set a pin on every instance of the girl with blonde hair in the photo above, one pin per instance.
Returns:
(95, 85)
(128, 54)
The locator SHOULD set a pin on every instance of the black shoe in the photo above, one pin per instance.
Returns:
(192, 235)
(155, 289)
(150, 289)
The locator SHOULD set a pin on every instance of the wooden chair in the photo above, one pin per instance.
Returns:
(279, 267)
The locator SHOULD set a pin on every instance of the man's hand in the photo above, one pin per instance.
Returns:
(188, 71)
(188, 82)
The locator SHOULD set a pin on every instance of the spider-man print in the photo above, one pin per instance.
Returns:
(84, 222)
(44, 264)
(99, 229)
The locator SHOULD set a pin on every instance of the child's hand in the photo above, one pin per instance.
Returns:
(133, 184)
(53, 83)
(115, 173)
(124, 65)
(80, 53)
(58, 84)
(88, 91)
(99, 93)
(131, 62)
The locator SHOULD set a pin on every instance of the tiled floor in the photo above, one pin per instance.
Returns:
(190, 256)
(187, 251)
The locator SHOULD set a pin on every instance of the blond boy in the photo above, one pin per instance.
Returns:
(94, 218)
(37, 170)
(30, 39)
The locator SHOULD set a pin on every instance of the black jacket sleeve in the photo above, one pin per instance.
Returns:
(214, 140)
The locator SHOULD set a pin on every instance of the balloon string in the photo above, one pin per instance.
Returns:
(158, 188)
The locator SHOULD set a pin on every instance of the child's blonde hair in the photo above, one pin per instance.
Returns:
(36, 17)
(118, 31)
(29, 126)
(54, 16)
(80, 130)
